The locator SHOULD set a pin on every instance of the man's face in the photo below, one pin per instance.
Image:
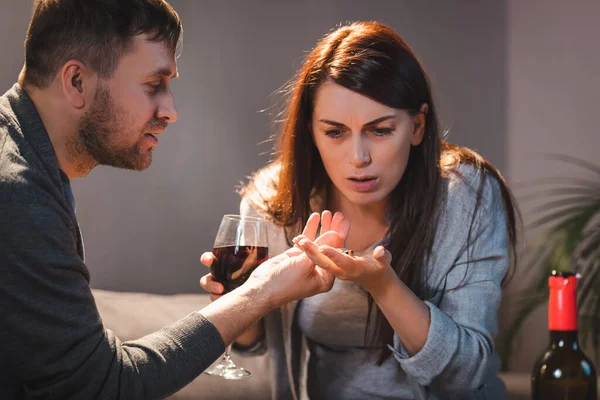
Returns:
(131, 108)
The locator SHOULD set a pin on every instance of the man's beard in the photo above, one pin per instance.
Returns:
(101, 133)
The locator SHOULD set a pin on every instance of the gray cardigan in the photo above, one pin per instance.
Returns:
(52, 340)
(458, 360)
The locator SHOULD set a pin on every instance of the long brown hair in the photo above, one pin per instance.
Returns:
(371, 59)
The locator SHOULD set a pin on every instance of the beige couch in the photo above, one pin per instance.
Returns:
(133, 315)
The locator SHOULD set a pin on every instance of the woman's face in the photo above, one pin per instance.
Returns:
(364, 145)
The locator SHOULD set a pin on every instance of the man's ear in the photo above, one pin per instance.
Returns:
(78, 83)
(419, 122)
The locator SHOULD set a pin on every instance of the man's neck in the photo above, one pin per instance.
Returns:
(61, 129)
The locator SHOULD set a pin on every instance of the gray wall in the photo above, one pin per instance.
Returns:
(144, 231)
(553, 70)
(13, 25)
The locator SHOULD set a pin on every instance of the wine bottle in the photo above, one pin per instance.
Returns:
(563, 371)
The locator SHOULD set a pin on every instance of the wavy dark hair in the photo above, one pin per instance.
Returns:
(371, 59)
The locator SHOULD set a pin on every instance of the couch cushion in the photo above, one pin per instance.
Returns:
(133, 315)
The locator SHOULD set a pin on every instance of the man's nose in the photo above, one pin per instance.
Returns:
(167, 111)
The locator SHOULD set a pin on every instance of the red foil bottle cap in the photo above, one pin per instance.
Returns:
(562, 306)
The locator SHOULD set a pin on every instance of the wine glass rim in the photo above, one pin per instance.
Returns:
(244, 217)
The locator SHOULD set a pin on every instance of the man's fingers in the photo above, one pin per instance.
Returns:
(343, 261)
(325, 279)
(330, 238)
(312, 252)
(292, 252)
(207, 258)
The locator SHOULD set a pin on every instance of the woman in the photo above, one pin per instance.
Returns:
(413, 312)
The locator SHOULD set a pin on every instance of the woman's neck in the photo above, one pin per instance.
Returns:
(369, 223)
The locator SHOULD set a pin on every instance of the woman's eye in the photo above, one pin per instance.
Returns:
(334, 133)
(383, 131)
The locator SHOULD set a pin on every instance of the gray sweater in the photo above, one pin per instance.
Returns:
(52, 341)
(458, 360)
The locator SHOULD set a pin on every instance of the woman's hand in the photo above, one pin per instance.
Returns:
(329, 224)
(206, 282)
(334, 230)
(369, 269)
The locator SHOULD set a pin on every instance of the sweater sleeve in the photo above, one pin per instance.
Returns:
(459, 354)
(52, 337)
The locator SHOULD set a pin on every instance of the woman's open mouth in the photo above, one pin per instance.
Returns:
(363, 183)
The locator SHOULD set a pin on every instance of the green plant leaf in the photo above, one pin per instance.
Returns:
(561, 181)
(568, 209)
(589, 283)
(590, 246)
(574, 161)
(563, 202)
(591, 192)
(524, 310)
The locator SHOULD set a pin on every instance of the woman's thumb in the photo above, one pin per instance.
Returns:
(381, 254)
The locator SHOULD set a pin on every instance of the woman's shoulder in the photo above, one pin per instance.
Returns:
(261, 189)
(466, 184)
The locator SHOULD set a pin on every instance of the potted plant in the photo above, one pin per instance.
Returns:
(568, 213)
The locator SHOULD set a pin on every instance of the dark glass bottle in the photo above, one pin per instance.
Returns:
(563, 371)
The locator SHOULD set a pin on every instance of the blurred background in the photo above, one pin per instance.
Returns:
(513, 79)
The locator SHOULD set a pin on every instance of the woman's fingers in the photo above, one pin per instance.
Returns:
(312, 226)
(340, 224)
(207, 283)
(207, 258)
(382, 255)
(326, 219)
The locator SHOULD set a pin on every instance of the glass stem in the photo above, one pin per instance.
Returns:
(226, 356)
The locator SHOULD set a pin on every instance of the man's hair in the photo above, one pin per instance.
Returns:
(95, 32)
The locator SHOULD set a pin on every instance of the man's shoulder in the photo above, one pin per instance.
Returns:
(25, 174)
(20, 179)
(9, 125)
(7, 114)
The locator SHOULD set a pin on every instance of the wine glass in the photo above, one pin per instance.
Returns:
(240, 246)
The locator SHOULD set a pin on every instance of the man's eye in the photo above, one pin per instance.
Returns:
(333, 133)
(154, 87)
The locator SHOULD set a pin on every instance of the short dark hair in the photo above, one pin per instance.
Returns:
(96, 32)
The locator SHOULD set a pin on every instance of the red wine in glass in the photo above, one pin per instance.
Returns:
(240, 246)
(232, 265)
